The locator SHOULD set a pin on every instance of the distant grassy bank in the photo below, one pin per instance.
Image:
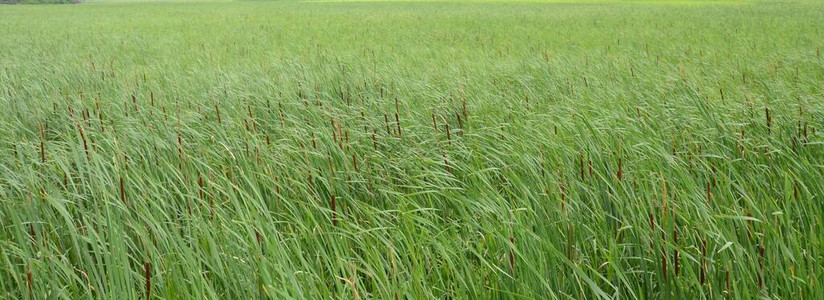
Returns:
(40, 1)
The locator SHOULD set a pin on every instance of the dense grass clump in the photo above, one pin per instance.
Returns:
(398, 150)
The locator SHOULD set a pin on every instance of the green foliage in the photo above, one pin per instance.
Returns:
(412, 150)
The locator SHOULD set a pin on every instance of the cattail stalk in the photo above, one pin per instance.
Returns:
(42, 142)
(148, 270)
(398, 123)
(355, 162)
(761, 252)
(85, 144)
(29, 282)
(374, 140)
(386, 121)
(620, 169)
(702, 278)
(122, 190)
(677, 256)
(334, 213)
(512, 254)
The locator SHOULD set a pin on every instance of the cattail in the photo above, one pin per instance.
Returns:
(200, 185)
(448, 135)
(446, 163)
(761, 266)
(769, 119)
(677, 257)
(434, 123)
(702, 278)
(340, 136)
(257, 237)
(398, 122)
(722, 94)
(334, 212)
(280, 109)
(122, 190)
(620, 169)
(29, 282)
(512, 253)
(664, 196)
(795, 189)
(709, 193)
(581, 161)
(42, 142)
(563, 197)
(85, 144)
(726, 279)
(590, 168)
(386, 121)
(334, 133)
(664, 263)
(355, 162)
(148, 269)
(374, 140)
(180, 144)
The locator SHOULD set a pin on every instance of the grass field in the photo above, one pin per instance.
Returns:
(397, 150)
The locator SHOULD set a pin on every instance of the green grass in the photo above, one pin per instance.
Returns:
(412, 150)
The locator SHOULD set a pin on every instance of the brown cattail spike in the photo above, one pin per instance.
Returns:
(512, 253)
(42, 143)
(761, 252)
(398, 123)
(334, 212)
(374, 140)
(122, 190)
(620, 169)
(147, 267)
(29, 282)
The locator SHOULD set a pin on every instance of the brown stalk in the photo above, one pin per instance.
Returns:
(620, 169)
(355, 162)
(374, 140)
(334, 212)
(148, 269)
(42, 142)
(398, 122)
(122, 190)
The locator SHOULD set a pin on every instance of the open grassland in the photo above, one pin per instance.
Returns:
(396, 150)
